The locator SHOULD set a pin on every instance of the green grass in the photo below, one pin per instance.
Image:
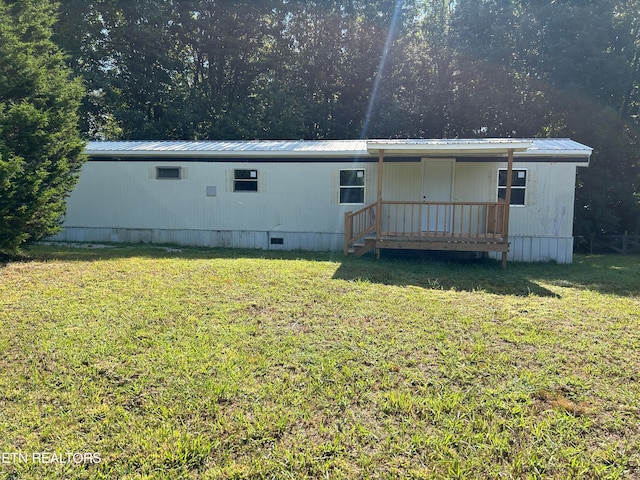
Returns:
(234, 364)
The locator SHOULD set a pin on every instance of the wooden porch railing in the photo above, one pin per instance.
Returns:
(455, 221)
(473, 220)
(357, 225)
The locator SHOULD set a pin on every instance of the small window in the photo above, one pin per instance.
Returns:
(245, 180)
(168, 172)
(518, 186)
(351, 186)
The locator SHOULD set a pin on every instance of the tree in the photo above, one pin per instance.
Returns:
(341, 57)
(127, 55)
(40, 146)
(321, 69)
(575, 66)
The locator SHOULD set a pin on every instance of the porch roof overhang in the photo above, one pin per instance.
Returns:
(486, 147)
(449, 147)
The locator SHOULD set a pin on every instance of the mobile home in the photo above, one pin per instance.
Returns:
(344, 195)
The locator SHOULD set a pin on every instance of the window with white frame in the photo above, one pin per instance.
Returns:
(245, 180)
(352, 186)
(518, 185)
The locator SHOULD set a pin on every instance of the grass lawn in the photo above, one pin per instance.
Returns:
(233, 364)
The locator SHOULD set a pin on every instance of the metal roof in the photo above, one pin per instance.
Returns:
(450, 146)
(557, 147)
(335, 148)
(229, 148)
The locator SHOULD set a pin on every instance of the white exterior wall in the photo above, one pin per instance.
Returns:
(475, 182)
(542, 229)
(549, 197)
(549, 201)
(402, 181)
(297, 202)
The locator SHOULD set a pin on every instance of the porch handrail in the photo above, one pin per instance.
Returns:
(473, 220)
(358, 225)
(458, 221)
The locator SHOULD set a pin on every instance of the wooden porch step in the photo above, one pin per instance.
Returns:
(360, 248)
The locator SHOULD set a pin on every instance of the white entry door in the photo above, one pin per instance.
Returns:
(437, 186)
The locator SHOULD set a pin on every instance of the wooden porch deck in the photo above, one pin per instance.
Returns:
(480, 226)
(453, 226)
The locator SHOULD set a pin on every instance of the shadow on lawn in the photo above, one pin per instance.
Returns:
(607, 274)
(6, 259)
(473, 276)
(610, 274)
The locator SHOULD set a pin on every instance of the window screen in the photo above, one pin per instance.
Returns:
(351, 186)
(518, 186)
(168, 172)
(245, 180)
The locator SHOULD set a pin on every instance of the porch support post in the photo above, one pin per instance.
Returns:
(507, 208)
(379, 201)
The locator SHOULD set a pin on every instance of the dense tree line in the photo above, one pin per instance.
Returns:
(265, 69)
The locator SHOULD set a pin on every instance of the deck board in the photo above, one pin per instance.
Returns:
(440, 242)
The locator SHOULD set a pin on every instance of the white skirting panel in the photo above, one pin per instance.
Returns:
(523, 249)
(207, 238)
(538, 249)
